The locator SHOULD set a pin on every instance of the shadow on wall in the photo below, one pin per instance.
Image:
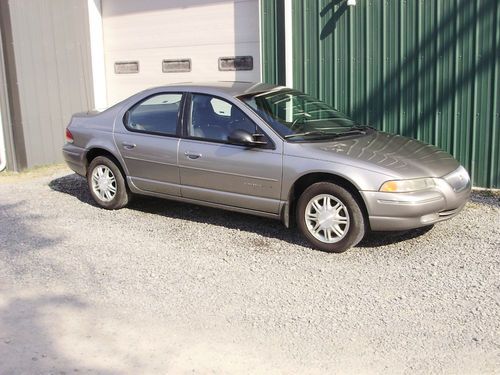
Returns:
(331, 24)
(76, 186)
(435, 83)
(413, 65)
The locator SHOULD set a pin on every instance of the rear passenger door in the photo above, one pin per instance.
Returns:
(148, 139)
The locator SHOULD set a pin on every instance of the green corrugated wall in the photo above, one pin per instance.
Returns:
(428, 69)
(272, 50)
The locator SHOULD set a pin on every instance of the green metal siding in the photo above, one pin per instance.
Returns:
(428, 69)
(272, 49)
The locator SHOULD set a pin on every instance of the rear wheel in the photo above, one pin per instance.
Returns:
(106, 183)
(330, 217)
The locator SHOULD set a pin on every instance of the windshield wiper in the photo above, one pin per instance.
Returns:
(312, 132)
(322, 133)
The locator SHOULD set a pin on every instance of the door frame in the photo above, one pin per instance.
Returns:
(186, 117)
(275, 147)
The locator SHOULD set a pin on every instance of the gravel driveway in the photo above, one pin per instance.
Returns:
(167, 287)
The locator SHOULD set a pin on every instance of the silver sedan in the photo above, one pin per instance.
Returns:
(269, 151)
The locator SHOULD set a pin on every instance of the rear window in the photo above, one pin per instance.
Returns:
(157, 114)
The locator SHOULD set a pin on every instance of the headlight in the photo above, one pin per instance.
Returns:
(405, 186)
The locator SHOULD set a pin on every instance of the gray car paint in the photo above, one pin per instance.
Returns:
(152, 162)
(258, 180)
(208, 179)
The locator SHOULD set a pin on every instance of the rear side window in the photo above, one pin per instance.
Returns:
(157, 114)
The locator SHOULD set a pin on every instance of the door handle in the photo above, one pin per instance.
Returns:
(192, 155)
(128, 146)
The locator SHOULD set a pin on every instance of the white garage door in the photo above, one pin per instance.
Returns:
(147, 42)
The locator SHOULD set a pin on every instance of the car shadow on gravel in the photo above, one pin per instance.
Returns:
(76, 186)
(378, 239)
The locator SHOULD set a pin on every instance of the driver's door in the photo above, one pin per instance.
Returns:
(212, 170)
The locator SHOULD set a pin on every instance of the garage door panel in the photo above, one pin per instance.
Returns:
(206, 24)
(204, 67)
(203, 31)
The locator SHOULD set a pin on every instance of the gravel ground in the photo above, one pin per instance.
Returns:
(167, 287)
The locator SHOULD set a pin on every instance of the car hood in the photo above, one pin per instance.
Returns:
(390, 154)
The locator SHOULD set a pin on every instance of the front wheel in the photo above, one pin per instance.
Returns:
(106, 183)
(330, 217)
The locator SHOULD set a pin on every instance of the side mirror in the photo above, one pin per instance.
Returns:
(244, 138)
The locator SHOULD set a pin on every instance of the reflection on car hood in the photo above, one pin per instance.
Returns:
(402, 156)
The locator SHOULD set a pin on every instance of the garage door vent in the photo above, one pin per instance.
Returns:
(176, 65)
(236, 63)
(126, 67)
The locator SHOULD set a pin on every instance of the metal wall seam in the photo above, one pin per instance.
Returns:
(288, 15)
(495, 113)
(3, 153)
(5, 128)
(12, 113)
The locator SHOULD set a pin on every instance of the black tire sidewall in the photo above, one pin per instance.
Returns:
(357, 221)
(121, 197)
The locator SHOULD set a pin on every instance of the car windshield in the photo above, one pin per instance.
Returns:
(299, 117)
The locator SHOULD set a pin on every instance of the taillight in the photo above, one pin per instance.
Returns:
(69, 136)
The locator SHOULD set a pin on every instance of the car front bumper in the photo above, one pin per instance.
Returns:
(402, 211)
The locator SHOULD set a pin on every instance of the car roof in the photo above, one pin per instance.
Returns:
(232, 88)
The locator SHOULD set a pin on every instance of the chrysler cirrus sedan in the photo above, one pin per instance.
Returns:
(269, 151)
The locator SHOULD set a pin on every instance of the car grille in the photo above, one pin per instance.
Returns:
(458, 179)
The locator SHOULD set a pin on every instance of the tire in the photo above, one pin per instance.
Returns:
(337, 227)
(101, 188)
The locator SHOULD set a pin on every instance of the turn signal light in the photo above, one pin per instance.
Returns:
(406, 186)
(390, 186)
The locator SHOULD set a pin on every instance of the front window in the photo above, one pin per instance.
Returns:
(214, 119)
(299, 117)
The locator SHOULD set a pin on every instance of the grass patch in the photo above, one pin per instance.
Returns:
(38, 171)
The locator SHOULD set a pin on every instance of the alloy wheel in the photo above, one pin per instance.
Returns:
(104, 183)
(327, 218)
